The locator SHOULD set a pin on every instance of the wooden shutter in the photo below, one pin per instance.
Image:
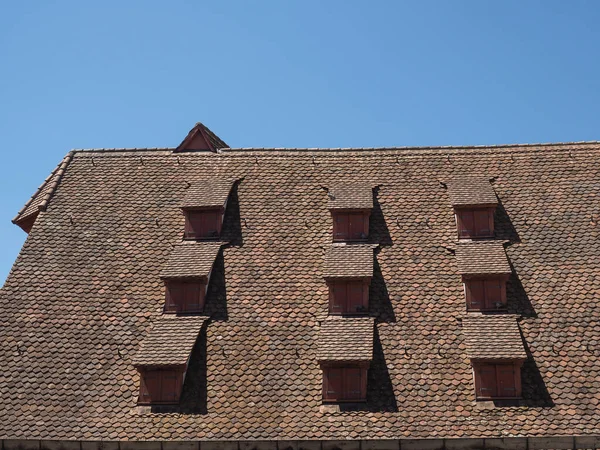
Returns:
(337, 297)
(170, 386)
(505, 374)
(173, 293)
(203, 224)
(481, 222)
(356, 228)
(211, 224)
(149, 387)
(465, 222)
(193, 297)
(340, 226)
(493, 294)
(353, 383)
(486, 388)
(356, 297)
(332, 383)
(474, 290)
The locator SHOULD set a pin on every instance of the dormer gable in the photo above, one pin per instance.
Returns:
(201, 138)
(350, 205)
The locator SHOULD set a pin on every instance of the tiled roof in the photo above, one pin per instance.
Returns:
(347, 261)
(346, 339)
(207, 193)
(349, 195)
(493, 337)
(86, 288)
(170, 341)
(191, 259)
(471, 191)
(482, 257)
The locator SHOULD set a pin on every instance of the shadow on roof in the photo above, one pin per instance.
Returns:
(517, 300)
(216, 297)
(378, 230)
(380, 391)
(232, 227)
(380, 305)
(503, 227)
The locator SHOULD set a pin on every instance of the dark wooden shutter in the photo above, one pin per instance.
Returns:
(481, 222)
(149, 386)
(173, 293)
(211, 224)
(340, 226)
(337, 297)
(356, 228)
(352, 383)
(332, 383)
(355, 297)
(193, 297)
(493, 294)
(466, 223)
(475, 294)
(487, 381)
(505, 374)
(170, 386)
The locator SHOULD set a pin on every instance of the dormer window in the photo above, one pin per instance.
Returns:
(348, 296)
(475, 222)
(484, 269)
(204, 208)
(187, 276)
(184, 296)
(474, 202)
(345, 351)
(347, 271)
(350, 207)
(203, 224)
(485, 293)
(162, 359)
(496, 350)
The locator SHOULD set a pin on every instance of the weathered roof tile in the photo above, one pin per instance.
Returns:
(494, 336)
(346, 339)
(482, 258)
(207, 194)
(351, 196)
(191, 259)
(348, 261)
(471, 191)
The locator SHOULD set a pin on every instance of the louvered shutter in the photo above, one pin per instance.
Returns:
(356, 228)
(493, 294)
(337, 297)
(170, 386)
(356, 297)
(475, 294)
(481, 222)
(353, 383)
(210, 224)
(340, 227)
(174, 293)
(466, 223)
(487, 381)
(506, 380)
(332, 383)
(149, 386)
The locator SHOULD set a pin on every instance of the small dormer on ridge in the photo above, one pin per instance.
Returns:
(204, 207)
(474, 202)
(350, 205)
(200, 138)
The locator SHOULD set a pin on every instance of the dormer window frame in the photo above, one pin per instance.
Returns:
(493, 378)
(340, 384)
(484, 284)
(188, 226)
(186, 287)
(161, 385)
(354, 218)
(342, 307)
(479, 216)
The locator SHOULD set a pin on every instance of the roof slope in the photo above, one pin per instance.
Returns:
(191, 259)
(351, 195)
(470, 191)
(207, 193)
(84, 292)
(348, 261)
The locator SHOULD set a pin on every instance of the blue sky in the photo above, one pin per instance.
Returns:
(286, 73)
